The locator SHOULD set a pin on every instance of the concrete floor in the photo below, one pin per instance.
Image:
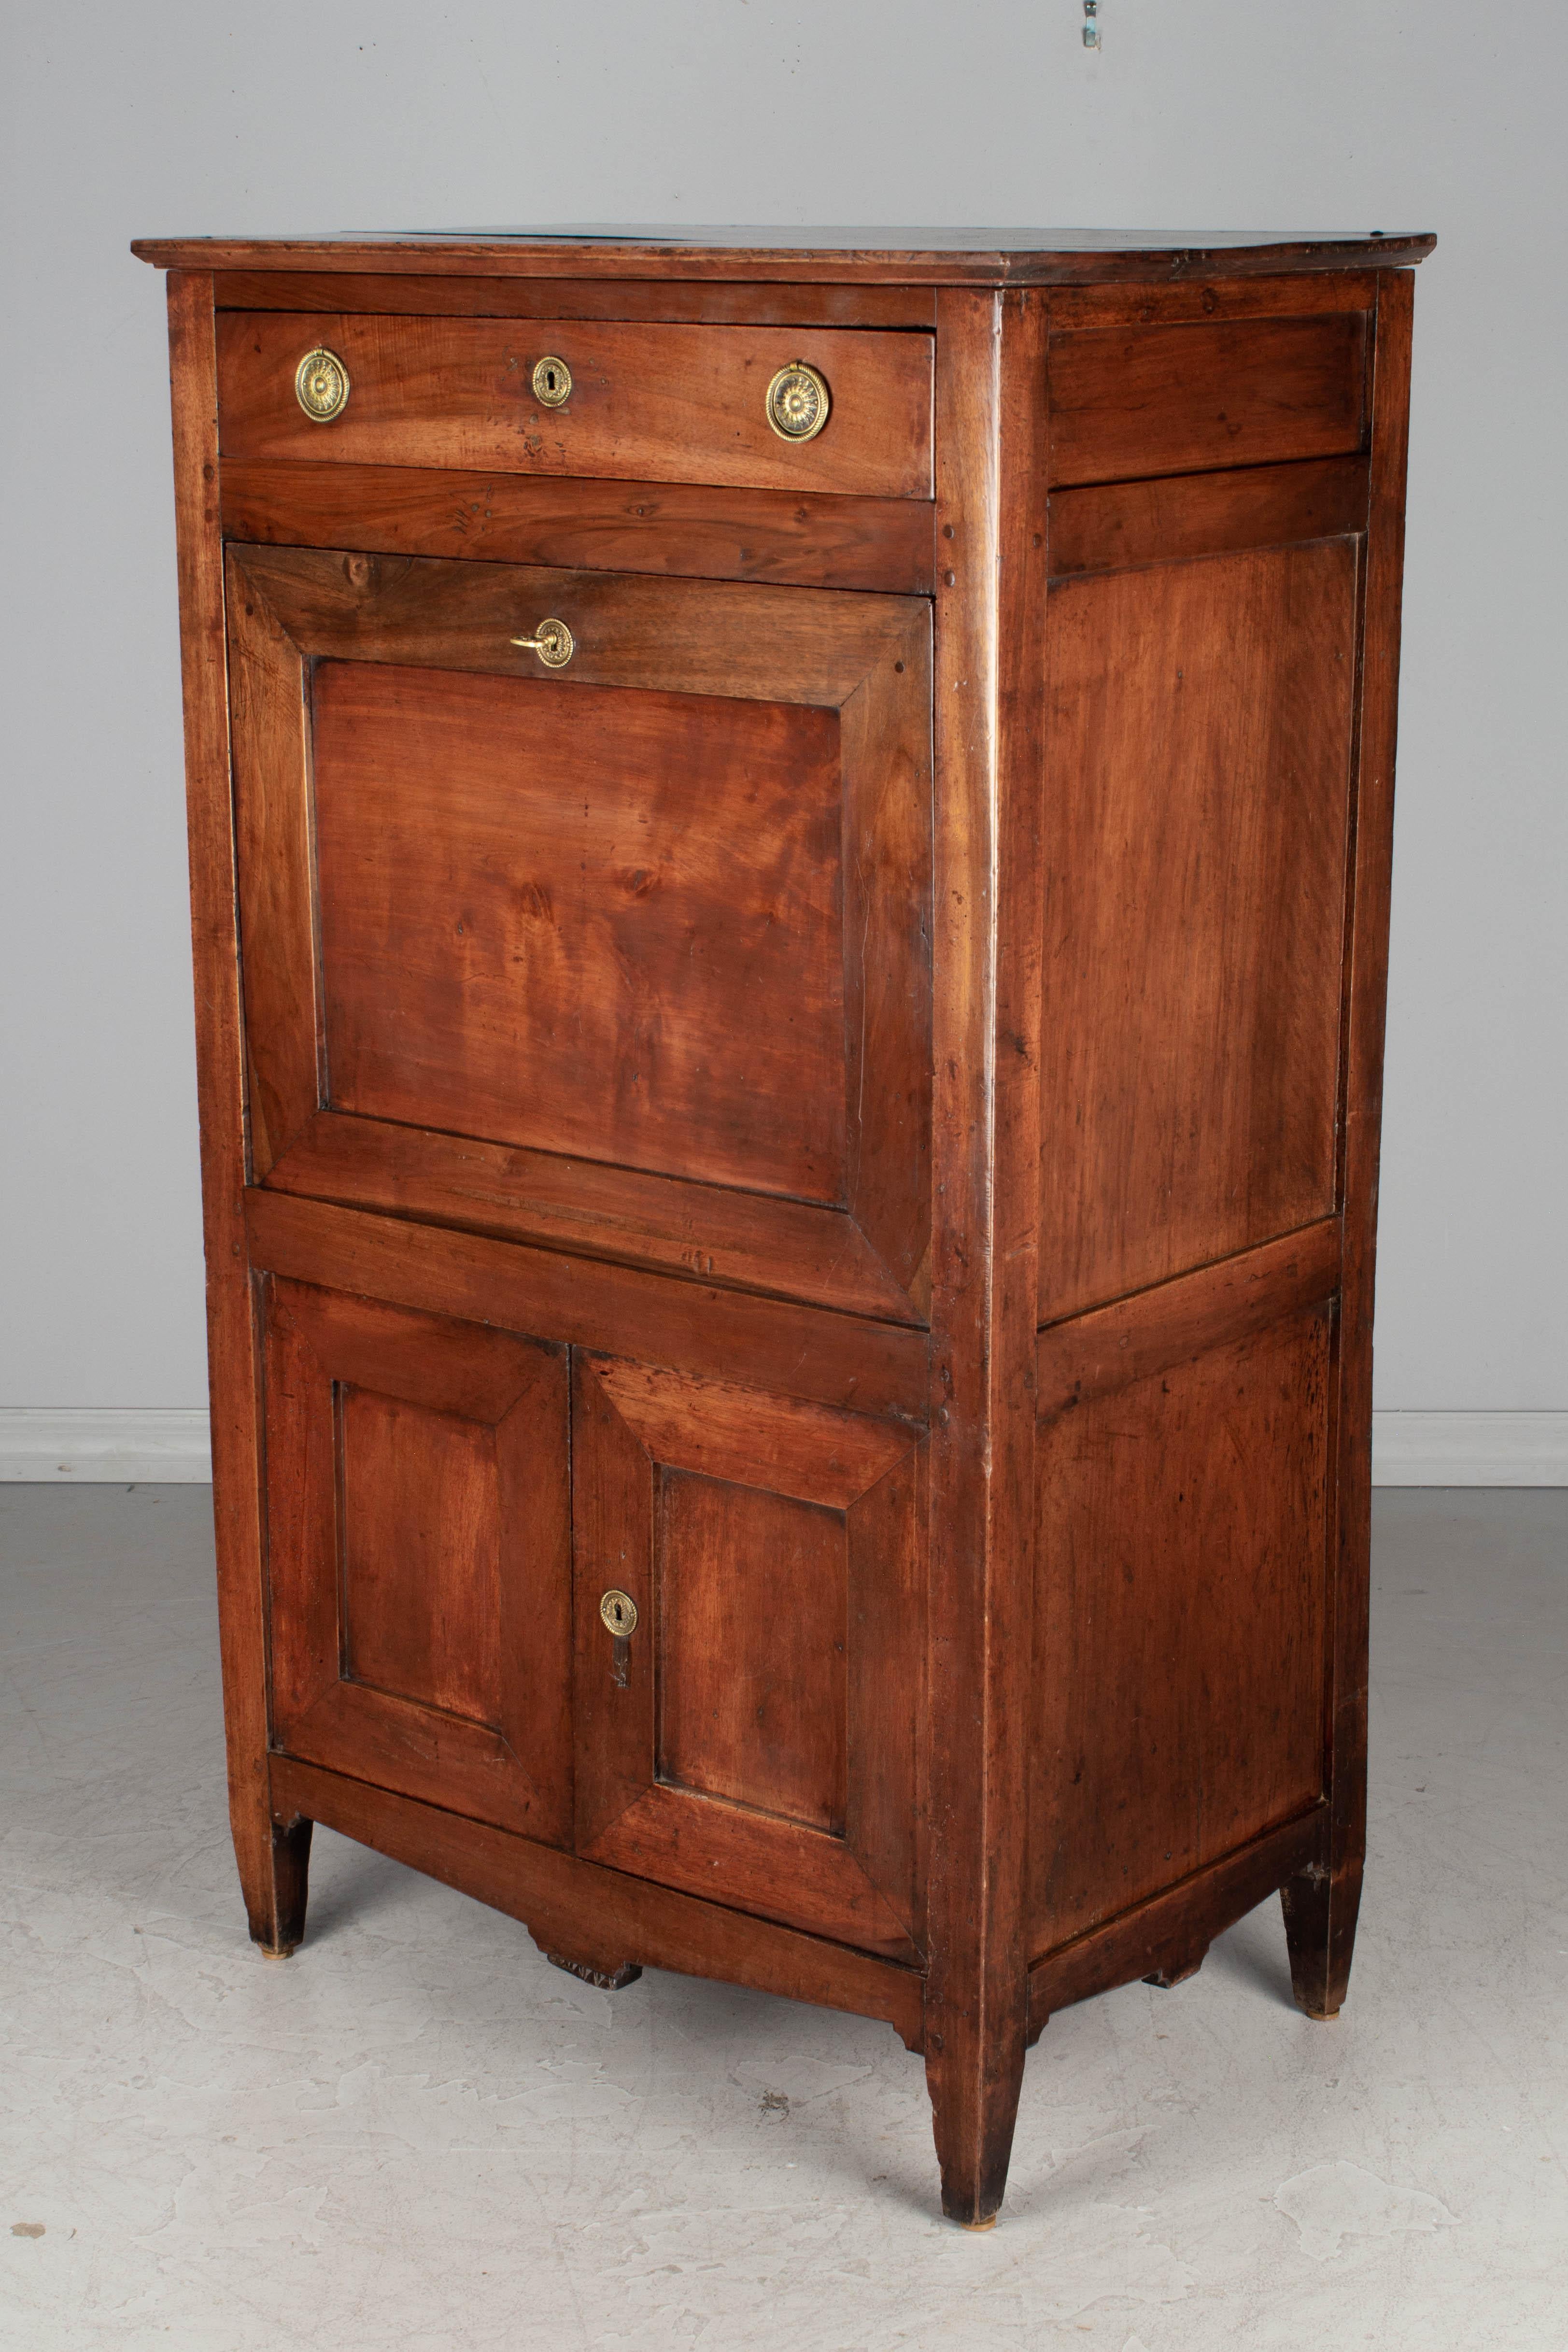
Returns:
(417, 2134)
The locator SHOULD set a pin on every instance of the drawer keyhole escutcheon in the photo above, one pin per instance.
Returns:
(619, 1611)
(553, 383)
(797, 402)
(555, 645)
(322, 385)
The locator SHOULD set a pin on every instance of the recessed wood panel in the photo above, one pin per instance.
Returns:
(1195, 803)
(1125, 402)
(1181, 1600)
(419, 1492)
(418, 1555)
(753, 1629)
(648, 402)
(541, 910)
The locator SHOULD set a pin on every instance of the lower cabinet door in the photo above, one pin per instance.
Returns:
(752, 1736)
(419, 1555)
(675, 1622)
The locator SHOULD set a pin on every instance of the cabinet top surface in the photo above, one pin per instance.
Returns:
(934, 255)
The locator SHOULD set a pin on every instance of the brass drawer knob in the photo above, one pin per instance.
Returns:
(797, 402)
(552, 381)
(553, 642)
(322, 385)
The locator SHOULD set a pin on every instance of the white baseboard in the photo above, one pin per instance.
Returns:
(1469, 1449)
(109, 1443)
(1408, 1449)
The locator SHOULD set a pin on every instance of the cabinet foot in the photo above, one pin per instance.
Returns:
(972, 2117)
(1319, 1907)
(608, 1979)
(1173, 1972)
(274, 1880)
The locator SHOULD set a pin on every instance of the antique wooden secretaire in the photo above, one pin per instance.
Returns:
(790, 847)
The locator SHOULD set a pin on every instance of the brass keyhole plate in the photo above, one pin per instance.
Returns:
(619, 1611)
(322, 385)
(553, 383)
(797, 402)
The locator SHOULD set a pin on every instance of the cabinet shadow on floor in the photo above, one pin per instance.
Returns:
(1253, 1954)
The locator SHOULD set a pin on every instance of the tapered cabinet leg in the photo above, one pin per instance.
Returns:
(274, 1870)
(972, 2112)
(1320, 1909)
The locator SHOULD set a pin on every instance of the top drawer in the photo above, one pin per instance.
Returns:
(657, 404)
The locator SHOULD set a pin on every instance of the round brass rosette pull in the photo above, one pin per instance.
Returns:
(552, 641)
(797, 402)
(322, 385)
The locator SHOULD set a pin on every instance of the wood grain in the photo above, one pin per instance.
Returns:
(1171, 400)
(991, 514)
(791, 1350)
(691, 636)
(274, 859)
(1089, 1355)
(753, 1638)
(1169, 1926)
(1118, 524)
(272, 1864)
(772, 1552)
(561, 1899)
(669, 528)
(696, 301)
(1179, 1659)
(420, 1555)
(1076, 308)
(785, 1249)
(814, 1454)
(1197, 837)
(418, 1562)
(615, 904)
(924, 258)
(652, 403)
(538, 909)
(1035, 974)
(1190, 304)
(1321, 1911)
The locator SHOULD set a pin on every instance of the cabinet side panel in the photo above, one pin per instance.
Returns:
(1196, 840)
(1179, 1621)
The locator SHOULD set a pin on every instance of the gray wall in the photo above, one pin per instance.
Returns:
(125, 120)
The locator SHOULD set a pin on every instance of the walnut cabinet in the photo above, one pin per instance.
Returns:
(789, 851)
